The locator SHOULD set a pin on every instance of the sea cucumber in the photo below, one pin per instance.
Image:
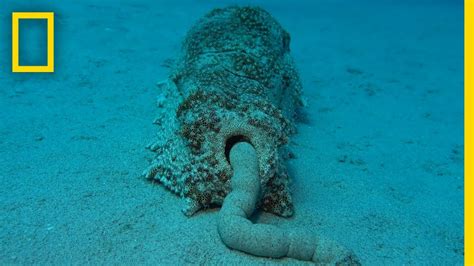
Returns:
(234, 80)
(226, 114)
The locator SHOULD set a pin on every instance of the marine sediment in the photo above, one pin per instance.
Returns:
(264, 240)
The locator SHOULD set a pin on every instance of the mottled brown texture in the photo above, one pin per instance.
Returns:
(235, 78)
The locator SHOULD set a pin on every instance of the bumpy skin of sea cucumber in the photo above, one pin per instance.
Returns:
(235, 80)
(237, 232)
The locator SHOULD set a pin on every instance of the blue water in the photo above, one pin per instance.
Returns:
(379, 155)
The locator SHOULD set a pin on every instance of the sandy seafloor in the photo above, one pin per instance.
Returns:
(379, 150)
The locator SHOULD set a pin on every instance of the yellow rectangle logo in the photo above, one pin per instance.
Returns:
(16, 16)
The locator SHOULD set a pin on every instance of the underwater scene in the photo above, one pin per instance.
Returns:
(209, 132)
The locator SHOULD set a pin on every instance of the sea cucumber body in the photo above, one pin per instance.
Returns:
(235, 80)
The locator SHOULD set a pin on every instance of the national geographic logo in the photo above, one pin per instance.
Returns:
(16, 17)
